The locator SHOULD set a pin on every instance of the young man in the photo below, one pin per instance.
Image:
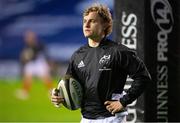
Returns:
(102, 67)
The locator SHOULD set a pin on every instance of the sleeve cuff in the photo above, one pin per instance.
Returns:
(122, 101)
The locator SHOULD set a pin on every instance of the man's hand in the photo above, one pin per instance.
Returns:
(55, 98)
(113, 106)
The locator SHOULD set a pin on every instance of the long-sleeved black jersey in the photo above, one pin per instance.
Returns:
(103, 71)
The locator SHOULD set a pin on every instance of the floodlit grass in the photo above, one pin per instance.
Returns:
(37, 108)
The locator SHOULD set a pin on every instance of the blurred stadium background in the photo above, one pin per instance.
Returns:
(149, 26)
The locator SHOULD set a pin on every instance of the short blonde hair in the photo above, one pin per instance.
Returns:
(104, 13)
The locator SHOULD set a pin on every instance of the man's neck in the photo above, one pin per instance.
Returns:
(94, 42)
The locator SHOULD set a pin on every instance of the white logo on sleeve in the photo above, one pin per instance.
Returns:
(81, 64)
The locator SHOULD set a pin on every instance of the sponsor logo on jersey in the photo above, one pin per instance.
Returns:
(105, 59)
(105, 69)
(81, 64)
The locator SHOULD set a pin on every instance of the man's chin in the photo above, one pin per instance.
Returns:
(87, 36)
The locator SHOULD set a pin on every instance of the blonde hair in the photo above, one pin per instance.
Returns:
(104, 12)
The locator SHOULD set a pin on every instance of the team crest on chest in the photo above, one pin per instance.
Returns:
(105, 59)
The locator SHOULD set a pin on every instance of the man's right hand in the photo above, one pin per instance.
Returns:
(56, 99)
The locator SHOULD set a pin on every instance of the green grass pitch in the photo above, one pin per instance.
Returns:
(37, 108)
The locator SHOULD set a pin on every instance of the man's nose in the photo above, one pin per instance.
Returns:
(87, 24)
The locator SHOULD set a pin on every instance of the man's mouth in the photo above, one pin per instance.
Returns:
(87, 30)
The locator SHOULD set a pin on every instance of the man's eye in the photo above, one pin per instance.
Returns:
(93, 21)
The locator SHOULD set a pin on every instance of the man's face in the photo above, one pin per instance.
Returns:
(30, 38)
(93, 26)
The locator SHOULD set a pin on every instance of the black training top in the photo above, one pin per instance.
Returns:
(102, 71)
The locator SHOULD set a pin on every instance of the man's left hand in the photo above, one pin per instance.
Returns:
(113, 106)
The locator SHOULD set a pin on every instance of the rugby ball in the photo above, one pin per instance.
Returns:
(71, 91)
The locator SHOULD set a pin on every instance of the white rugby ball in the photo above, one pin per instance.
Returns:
(71, 91)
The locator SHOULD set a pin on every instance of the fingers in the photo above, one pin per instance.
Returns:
(113, 106)
(55, 98)
(109, 106)
(114, 111)
(55, 92)
(107, 103)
